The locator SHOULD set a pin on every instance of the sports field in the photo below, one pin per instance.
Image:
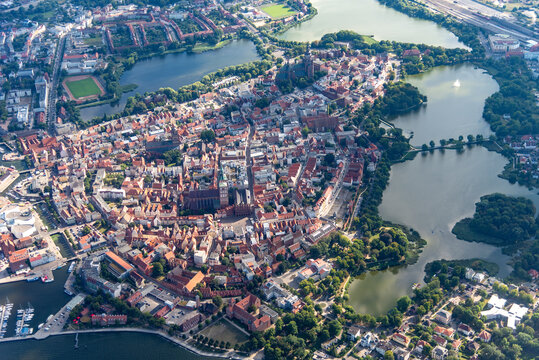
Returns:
(278, 11)
(83, 87)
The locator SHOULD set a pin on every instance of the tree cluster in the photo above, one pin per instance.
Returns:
(501, 216)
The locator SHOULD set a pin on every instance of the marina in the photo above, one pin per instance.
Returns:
(5, 313)
(24, 317)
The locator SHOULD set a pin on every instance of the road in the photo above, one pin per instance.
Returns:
(355, 210)
(53, 90)
(249, 163)
(228, 354)
(327, 205)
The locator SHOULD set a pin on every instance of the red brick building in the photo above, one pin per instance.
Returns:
(254, 320)
(18, 260)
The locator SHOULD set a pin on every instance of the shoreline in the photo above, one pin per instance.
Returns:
(132, 87)
(226, 355)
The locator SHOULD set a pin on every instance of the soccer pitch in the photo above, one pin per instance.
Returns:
(278, 11)
(83, 88)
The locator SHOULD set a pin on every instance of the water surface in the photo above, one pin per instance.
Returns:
(45, 298)
(369, 17)
(430, 194)
(117, 346)
(175, 70)
(434, 191)
(451, 111)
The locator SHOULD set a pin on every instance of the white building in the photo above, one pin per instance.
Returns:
(503, 43)
(200, 257)
(497, 310)
(111, 193)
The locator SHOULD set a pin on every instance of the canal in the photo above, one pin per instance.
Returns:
(435, 190)
(369, 17)
(175, 70)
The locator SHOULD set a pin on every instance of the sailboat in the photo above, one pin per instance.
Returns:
(456, 83)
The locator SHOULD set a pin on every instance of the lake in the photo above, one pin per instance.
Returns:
(430, 194)
(433, 191)
(175, 70)
(369, 17)
(450, 111)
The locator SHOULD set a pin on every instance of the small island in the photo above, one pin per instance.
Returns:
(499, 220)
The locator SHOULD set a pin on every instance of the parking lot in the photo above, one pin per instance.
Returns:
(289, 278)
(340, 205)
(55, 323)
(178, 316)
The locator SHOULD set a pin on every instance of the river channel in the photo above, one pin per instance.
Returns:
(432, 192)
(369, 17)
(175, 70)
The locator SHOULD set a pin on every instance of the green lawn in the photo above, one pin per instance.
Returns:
(82, 88)
(60, 241)
(368, 39)
(278, 11)
(94, 41)
(222, 330)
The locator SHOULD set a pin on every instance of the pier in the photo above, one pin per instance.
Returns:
(5, 313)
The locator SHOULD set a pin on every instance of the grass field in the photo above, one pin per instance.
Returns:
(62, 243)
(368, 39)
(83, 88)
(278, 11)
(224, 331)
(94, 41)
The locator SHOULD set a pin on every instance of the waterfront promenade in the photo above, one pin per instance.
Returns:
(40, 335)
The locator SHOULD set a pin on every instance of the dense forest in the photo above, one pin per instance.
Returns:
(401, 97)
(500, 220)
(526, 261)
(387, 246)
(512, 110)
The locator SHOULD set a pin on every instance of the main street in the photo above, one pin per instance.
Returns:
(249, 163)
(328, 204)
(53, 90)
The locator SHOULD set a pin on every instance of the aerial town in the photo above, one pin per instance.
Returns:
(233, 215)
